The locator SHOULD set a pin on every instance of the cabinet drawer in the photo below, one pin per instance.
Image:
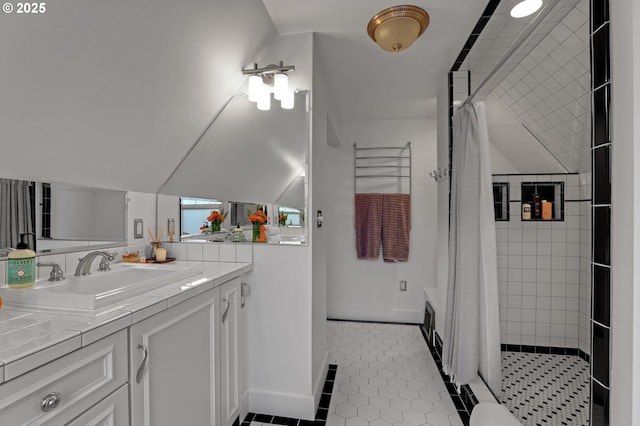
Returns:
(81, 379)
(111, 411)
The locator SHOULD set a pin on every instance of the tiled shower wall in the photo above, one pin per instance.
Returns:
(548, 91)
(543, 270)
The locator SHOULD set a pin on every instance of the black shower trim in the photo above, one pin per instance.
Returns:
(475, 33)
(373, 322)
(466, 399)
(601, 217)
(321, 414)
(550, 350)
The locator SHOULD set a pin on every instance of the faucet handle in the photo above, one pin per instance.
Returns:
(104, 262)
(56, 273)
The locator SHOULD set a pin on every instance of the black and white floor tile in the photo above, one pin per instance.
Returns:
(386, 376)
(541, 389)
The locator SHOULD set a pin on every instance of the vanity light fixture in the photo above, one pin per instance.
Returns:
(396, 28)
(270, 79)
(525, 8)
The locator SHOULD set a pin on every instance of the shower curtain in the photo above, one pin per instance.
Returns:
(472, 328)
(16, 216)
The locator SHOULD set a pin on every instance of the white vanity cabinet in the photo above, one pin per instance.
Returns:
(230, 360)
(111, 411)
(184, 363)
(58, 392)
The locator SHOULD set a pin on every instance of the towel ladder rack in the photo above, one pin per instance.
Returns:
(373, 162)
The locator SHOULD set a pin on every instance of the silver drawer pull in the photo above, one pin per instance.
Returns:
(244, 291)
(226, 310)
(50, 401)
(140, 372)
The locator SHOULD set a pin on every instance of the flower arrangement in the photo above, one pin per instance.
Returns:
(216, 218)
(282, 219)
(258, 219)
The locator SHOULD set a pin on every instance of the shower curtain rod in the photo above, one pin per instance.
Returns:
(518, 43)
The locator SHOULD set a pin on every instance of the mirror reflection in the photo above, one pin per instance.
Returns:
(245, 154)
(54, 217)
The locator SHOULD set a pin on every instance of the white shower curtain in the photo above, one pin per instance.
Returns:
(472, 328)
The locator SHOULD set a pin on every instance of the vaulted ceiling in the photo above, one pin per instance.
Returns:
(114, 94)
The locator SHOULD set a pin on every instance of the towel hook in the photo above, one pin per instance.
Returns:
(440, 174)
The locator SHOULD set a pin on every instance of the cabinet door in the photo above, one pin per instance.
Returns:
(179, 381)
(230, 346)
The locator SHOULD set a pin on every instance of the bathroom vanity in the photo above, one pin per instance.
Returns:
(172, 354)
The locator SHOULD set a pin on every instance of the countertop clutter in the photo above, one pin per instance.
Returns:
(30, 338)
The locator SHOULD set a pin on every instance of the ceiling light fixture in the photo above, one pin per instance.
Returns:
(525, 8)
(397, 27)
(265, 81)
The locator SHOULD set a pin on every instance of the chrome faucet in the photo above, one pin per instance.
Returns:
(84, 267)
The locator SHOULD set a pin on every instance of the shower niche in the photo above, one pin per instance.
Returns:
(552, 192)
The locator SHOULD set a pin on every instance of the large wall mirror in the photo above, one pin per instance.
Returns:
(55, 218)
(245, 158)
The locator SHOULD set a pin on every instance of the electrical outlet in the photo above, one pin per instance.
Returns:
(403, 285)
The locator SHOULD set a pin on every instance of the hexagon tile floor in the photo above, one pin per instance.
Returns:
(386, 376)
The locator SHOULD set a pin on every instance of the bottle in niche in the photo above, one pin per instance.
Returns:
(547, 210)
(526, 211)
(537, 206)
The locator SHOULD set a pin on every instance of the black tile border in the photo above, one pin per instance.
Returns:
(601, 257)
(550, 350)
(321, 414)
(477, 30)
(374, 322)
(463, 401)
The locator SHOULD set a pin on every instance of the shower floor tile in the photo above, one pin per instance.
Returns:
(386, 376)
(542, 389)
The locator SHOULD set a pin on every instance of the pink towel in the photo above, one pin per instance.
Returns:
(396, 224)
(368, 225)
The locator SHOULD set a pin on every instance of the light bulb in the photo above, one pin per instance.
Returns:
(255, 88)
(525, 8)
(287, 100)
(280, 86)
(264, 102)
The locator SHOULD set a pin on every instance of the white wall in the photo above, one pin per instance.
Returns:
(443, 206)
(279, 328)
(141, 206)
(288, 285)
(625, 289)
(369, 289)
(169, 207)
(113, 94)
(319, 200)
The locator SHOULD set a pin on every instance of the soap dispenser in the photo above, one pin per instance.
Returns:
(238, 235)
(21, 266)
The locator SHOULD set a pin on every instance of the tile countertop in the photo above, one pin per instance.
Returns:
(30, 338)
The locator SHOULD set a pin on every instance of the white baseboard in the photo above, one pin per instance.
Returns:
(319, 383)
(367, 314)
(281, 404)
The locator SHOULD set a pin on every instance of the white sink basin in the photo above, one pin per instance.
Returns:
(99, 289)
